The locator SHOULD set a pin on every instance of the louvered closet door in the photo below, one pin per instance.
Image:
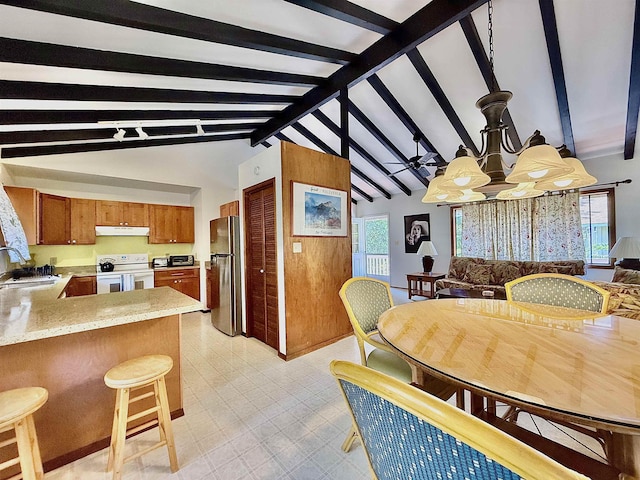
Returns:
(262, 287)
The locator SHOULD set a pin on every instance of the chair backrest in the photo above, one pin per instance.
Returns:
(558, 290)
(365, 299)
(408, 433)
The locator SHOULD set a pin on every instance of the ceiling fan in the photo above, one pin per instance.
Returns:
(416, 162)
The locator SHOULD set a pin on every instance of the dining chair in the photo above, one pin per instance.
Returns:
(365, 299)
(408, 433)
(558, 290)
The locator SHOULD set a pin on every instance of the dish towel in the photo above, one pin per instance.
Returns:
(12, 228)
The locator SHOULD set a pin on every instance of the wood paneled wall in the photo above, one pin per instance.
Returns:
(315, 316)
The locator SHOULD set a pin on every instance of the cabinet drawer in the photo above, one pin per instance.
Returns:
(160, 276)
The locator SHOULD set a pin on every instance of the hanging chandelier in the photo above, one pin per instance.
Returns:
(539, 167)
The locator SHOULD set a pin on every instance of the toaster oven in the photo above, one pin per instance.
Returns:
(181, 261)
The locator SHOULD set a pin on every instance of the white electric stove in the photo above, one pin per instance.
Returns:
(130, 272)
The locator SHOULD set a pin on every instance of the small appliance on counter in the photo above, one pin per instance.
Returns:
(181, 261)
(159, 262)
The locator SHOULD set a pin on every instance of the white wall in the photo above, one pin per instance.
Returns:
(400, 205)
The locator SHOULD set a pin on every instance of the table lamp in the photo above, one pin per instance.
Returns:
(428, 250)
(628, 250)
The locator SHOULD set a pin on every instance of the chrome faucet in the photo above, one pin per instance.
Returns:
(22, 259)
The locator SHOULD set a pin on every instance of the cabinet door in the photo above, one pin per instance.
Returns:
(82, 221)
(25, 203)
(79, 286)
(136, 214)
(185, 229)
(234, 208)
(162, 224)
(190, 286)
(54, 220)
(109, 213)
(224, 210)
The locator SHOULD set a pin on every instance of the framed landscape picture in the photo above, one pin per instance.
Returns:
(416, 229)
(318, 211)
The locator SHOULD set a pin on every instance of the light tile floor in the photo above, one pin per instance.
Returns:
(248, 415)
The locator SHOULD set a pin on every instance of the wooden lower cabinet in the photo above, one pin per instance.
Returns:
(184, 280)
(79, 286)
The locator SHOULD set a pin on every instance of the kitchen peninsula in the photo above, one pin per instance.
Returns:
(67, 344)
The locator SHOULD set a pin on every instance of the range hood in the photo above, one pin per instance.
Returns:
(103, 231)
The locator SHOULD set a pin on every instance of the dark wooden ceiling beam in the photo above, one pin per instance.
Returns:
(350, 13)
(155, 19)
(431, 19)
(9, 117)
(391, 101)
(28, 52)
(304, 131)
(34, 151)
(283, 138)
(434, 87)
(382, 138)
(555, 59)
(326, 121)
(11, 89)
(633, 103)
(44, 136)
(473, 39)
(362, 193)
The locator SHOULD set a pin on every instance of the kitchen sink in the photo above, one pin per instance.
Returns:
(30, 281)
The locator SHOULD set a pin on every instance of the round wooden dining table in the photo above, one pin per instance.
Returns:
(572, 365)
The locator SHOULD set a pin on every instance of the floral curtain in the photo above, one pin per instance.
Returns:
(542, 228)
(11, 228)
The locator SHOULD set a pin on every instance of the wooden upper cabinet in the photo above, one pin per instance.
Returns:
(171, 224)
(230, 209)
(113, 213)
(25, 203)
(67, 221)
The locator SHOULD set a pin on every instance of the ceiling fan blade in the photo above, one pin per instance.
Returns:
(392, 174)
(426, 157)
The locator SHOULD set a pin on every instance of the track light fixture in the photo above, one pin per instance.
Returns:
(142, 135)
(119, 135)
(199, 130)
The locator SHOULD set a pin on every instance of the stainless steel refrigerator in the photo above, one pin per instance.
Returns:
(226, 297)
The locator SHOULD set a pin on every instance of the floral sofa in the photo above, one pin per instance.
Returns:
(624, 288)
(478, 274)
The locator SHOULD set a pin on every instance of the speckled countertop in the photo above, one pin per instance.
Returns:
(32, 313)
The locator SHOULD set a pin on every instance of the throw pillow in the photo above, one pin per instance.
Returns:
(458, 266)
(478, 274)
(550, 267)
(624, 275)
(504, 272)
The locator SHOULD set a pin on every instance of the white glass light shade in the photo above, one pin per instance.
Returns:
(464, 173)
(626, 247)
(427, 248)
(467, 196)
(537, 163)
(576, 179)
(523, 190)
(435, 193)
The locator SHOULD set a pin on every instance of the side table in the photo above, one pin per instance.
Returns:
(416, 287)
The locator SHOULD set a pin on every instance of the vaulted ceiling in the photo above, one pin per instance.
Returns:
(358, 79)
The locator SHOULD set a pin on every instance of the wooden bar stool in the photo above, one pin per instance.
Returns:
(132, 375)
(16, 413)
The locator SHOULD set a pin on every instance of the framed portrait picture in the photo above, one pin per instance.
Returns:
(416, 229)
(319, 211)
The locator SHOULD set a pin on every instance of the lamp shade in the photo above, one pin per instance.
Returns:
(466, 196)
(464, 173)
(435, 192)
(523, 190)
(427, 248)
(538, 163)
(576, 179)
(625, 247)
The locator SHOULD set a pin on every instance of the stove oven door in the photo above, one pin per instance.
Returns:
(109, 283)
